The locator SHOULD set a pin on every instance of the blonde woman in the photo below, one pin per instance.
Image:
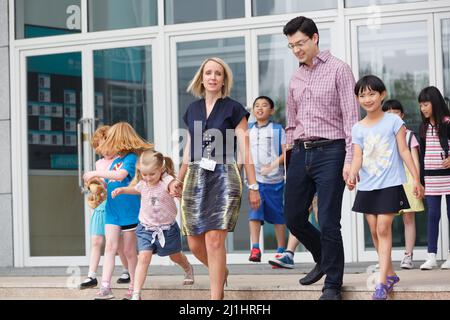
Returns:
(212, 186)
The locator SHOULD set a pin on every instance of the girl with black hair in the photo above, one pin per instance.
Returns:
(379, 150)
(435, 165)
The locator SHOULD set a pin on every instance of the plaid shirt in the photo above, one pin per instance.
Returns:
(321, 102)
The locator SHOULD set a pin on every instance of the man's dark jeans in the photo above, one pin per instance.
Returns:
(310, 171)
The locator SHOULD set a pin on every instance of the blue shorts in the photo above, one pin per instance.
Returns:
(97, 225)
(172, 237)
(271, 209)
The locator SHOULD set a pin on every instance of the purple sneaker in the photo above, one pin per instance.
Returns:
(381, 292)
(391, 282)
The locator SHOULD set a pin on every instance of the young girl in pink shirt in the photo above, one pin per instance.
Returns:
(157, 232)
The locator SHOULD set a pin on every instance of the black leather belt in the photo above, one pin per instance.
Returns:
(309, 144)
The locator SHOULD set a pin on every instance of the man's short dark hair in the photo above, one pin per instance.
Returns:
(304, 25)
(270, 101)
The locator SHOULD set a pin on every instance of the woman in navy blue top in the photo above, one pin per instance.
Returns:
(212, 185)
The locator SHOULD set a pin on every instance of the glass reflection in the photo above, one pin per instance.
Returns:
(123, 88)
(182, 11)
(269, 7)
(119, 14)
(47, 18)
(445, 27)
(363, 3)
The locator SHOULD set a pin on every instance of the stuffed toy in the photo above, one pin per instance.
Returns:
(97, 192)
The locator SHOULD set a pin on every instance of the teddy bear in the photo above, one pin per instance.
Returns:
(97, 192)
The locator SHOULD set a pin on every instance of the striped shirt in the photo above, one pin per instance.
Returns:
(321, 102)
(434, 154)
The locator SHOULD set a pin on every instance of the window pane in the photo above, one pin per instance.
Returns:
(446, 55)
(54, 108)
(363, 3)
(398, 54)
(119, 14)
(123, 88)
(276, 66)
(268, 7)
(182, 11)
(47, 18)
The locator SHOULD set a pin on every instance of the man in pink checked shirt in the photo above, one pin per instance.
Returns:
(320, 111)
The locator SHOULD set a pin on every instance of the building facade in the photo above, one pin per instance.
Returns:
(68, 66)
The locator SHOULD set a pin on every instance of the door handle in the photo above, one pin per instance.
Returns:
(82, 137)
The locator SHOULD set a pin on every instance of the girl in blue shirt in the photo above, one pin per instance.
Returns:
(122, 212)
(379, 147)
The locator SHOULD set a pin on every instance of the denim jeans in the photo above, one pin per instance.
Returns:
(434, 216)
(310, 171)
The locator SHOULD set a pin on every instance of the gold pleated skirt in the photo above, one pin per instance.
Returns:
(211, 199)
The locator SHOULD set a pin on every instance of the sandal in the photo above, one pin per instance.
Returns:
(391, 281)
(381, 292)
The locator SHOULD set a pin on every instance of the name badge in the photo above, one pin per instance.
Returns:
(208, 164)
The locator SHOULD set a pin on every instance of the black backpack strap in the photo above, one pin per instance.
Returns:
(444, 138)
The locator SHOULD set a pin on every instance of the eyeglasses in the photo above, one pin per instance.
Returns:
(298, 44)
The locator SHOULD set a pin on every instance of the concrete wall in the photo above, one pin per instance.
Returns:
(6, 226)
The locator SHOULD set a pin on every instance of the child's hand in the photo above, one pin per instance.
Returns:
(175, 188)
(446, 163)
(351, 182)
(418, 190)
(89, 175)
(116, 192)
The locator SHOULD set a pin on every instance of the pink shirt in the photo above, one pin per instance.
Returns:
(157, 205)
(434, 185)
(321, 102)
(414, 142)
(103, 164)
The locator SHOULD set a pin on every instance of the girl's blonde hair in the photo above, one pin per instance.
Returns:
(152, 158)
(100, 134)
(123, 139)
(196, 87)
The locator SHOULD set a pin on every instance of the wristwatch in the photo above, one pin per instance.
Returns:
(254, 187)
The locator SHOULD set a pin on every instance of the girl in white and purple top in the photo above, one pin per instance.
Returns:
(157, 232)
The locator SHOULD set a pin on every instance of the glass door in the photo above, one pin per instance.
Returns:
(54, 107)
(400, 52)
(68, 94)
(442, 38)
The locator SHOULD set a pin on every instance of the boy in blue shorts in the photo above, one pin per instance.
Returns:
(267, 140)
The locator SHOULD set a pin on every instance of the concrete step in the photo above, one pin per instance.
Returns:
(414, 285)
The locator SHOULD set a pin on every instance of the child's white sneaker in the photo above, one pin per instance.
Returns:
(430, 263)
(446, 264)
(407, 262)
(189, 276)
